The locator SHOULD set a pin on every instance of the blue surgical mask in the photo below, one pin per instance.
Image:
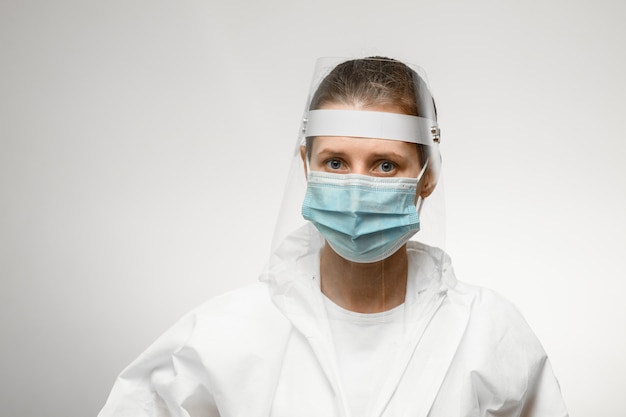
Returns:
(364, 219)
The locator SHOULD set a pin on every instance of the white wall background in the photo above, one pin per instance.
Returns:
(144, 145)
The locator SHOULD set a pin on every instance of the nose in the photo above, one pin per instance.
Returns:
(359, 167)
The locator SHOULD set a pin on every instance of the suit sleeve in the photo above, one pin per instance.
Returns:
(167, 380)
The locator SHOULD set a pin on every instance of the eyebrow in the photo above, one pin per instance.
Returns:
(326, 152)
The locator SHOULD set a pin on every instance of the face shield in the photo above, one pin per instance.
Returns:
(394, 108)
(364, 181)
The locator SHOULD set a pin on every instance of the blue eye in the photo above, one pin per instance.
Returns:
(387, 166)
(334, 164)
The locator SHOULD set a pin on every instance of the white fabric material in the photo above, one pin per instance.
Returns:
(267, 350)
(364, 343)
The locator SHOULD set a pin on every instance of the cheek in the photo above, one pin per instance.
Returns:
(315, 164)
(415, 171)
(411, 170)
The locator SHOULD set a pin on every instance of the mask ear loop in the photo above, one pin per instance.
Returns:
(420, 177)
(307, 165)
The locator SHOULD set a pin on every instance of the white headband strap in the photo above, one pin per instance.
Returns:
(371, 124)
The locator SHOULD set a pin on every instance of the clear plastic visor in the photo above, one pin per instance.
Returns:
(364, 181)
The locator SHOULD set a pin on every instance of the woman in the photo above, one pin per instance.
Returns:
(351, 317)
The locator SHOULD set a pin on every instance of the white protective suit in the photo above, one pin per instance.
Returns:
(265, 350)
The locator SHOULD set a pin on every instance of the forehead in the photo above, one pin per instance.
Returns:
(353, 146)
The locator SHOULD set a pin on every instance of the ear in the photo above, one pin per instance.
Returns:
(303, 156)
(429, 183)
